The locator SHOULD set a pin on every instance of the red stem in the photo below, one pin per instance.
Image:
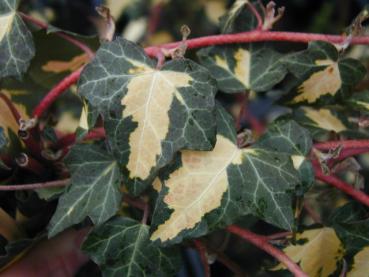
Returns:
(202, 251)
(257, 15)
(324, 146)
(72, 40)
(51, 184)
(56, 92)
(262, 243)
(345, 153)
(12, 108)
(70, 139)
(255, 36)
(341, 185)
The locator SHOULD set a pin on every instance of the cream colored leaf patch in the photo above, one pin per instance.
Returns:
(326, 81)
(207, 174)
(148, 101)
(361, 264)
(324, 119)
(63, 66)
(318, 253)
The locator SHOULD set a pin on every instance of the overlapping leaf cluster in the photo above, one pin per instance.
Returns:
(170, 139)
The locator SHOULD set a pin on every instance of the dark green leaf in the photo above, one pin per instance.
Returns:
(291, 139)
(16, 44)
(94, 189)
(121, 247)
(149, 114)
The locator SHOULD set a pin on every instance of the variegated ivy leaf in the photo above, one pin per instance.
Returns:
(360, 101)
(239, 68)
(290, 138)
(322, 73)
(121, 247)
(360, 266)
(16, 44)
(94, 189)
(149, 113)
(323, 119)
(317, 251)
(204, 190)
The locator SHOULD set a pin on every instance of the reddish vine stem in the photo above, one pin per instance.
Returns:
(70, 139)
(56, 92)
(346, 144)
(341, 185)
(72, 40)
(262, 243)
(202, 251)
(351, 152)
(51, 184)
(257, 15)
(255, 36)
(12, 108)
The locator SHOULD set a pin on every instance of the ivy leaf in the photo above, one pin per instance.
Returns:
(354, 234)
(317, 251)
(16, 44)
(291, 139)
(210, 189)
(361, 266)
(323, 119)
(150, 114)
(239, 68)
(94, 189)
(322, 73)
(360, 101)
(121, 247)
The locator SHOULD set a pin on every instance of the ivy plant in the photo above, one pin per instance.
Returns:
(152, 151)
